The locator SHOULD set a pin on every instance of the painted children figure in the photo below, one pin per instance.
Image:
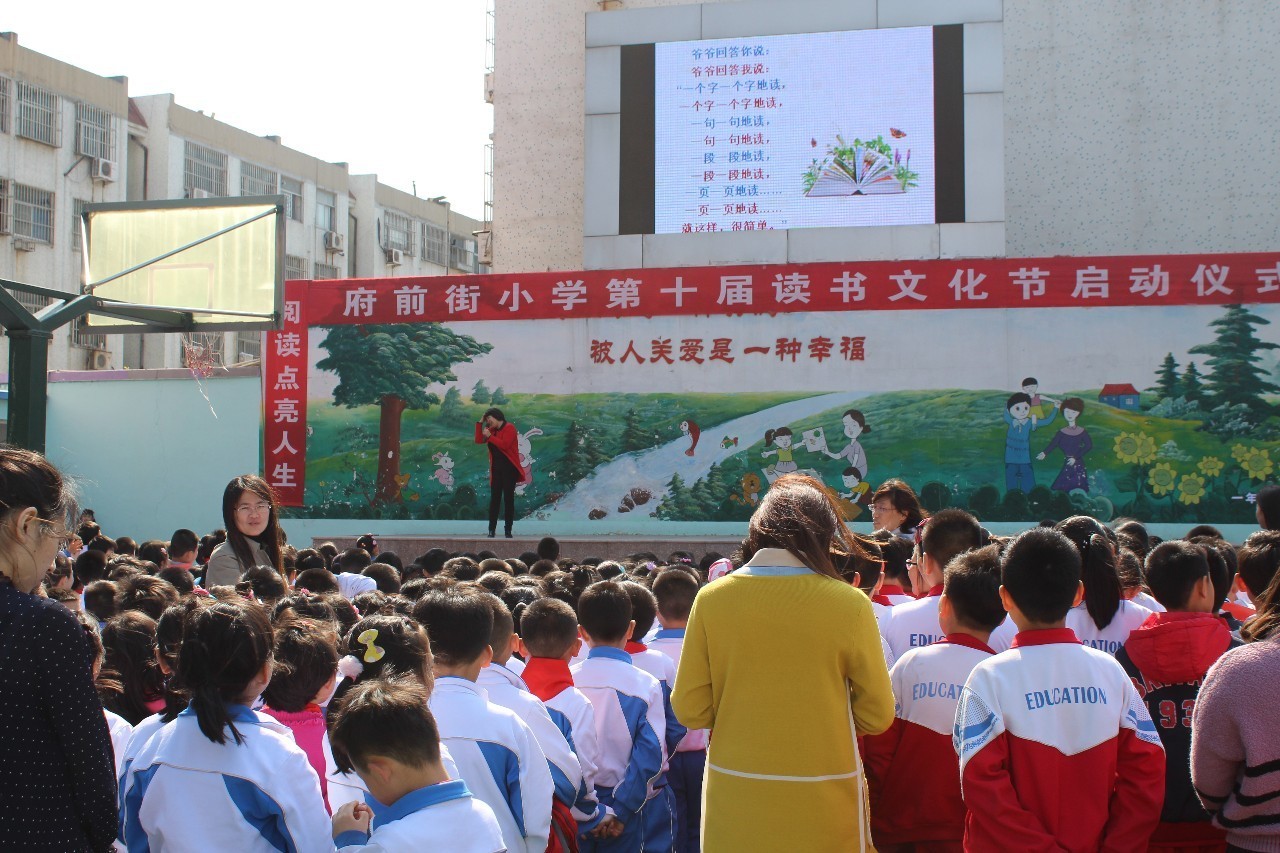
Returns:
(1017, 443)
(780, 439)
(1074, 442)
(855, 497)
(854, 425)
(1031, 387)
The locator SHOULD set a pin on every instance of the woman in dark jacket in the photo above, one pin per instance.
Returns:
(58, 784)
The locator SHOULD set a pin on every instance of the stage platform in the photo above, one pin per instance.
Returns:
(605, 547)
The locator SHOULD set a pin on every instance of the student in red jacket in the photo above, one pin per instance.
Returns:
(1167, 658)
(505, 471)
(1057, 750)
(911, 769)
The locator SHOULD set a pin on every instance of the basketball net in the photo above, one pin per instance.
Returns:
(201, 360)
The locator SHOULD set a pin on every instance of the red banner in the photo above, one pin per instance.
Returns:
(981, 283)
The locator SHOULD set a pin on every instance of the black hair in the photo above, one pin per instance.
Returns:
(644, 609)
(949, 533)
(27, 479)
(224, 648)
(971, 583)
(330, 553)
(207, 544)
(518, 598)
(183, 541)
(404, 645)
(1129, 570)
(144, 593)
(316, 580)
(895, 551)
(432, 561)
(1102, 592)
(494, 412)
(269, 539)
(459, 623)
(354, 560)
(1222, 570)
(306, 658)
(392, 559)
(1133, 535)
(414, 589)
(370, 602)
(543, 567)
(130, 640)
(182, 579)
(504, 625)
(494, 582)
(1259, 560)
(851, 471)
(1016, 398)
(386, 717)
(1204, 530)
(100, 599)
(461, 568)
(153, 551)
(267, 584)
(367, 543)
(1268, 499)
(1030, 380)
(385, 576)
(126, 545)
(1173, 569)
(548, 628)
(169, 628)
(1040, 569)
(90, 566)
(308, 604)
(309, 558)
(675, 591)
(548, 548)
(604, 611)
(771, 434)
(102, 543)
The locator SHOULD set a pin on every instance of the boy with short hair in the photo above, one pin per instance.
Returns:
(384, 732)
(1167, 658)
(947, 534)
(911, 769)
(496, 753)
(1057, 751)
(675, 591)
(629, 718)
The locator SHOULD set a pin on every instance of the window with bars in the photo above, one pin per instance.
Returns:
(32, 213)
(433, 243)
(248, 346)
(39, 115)
(6, 224)
(292, 190)
(397, 231)
(81, 336)
(462, 253)
(77, 206)
(31, 301)
(326, 210)
(295, 267)
(205, 170)
(95, 132)
(327, 271)
(4, 104)
(255, 180)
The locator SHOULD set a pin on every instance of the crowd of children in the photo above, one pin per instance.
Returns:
(1076, 687)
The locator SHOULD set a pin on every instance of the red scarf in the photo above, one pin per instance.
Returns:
(547, 677)
(634, 648)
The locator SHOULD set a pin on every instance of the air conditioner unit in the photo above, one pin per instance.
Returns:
(99, 359)
(21, 245)
(395, 257)
(334, 242)
(488, 87)
(484, 246)
(196, 192)
(105, 170)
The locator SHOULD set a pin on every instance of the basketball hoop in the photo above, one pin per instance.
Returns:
(198, 355)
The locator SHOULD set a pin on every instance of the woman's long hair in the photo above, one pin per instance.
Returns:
(798, 515)
(269, 539)
(1265, 623)
(1102, 590)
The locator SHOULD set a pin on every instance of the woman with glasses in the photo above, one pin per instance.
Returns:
(251, 516)
(58, 785)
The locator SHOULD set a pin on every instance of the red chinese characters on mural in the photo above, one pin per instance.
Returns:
(785, 350)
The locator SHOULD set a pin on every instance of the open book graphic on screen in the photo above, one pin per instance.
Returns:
(863, 168)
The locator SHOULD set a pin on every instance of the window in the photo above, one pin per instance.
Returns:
(462, 253)
(255, 180)
(248, 346)
(77, 207)
(4, 105)
(39, 115)
(327, 271)
(294, 267)
(433, 243)
(292, 190)
(82, 337)
(95, 132)
(397, 232)
(32, 213)
(204, 171)
(326, 210)
(31, 301)
(6, 224)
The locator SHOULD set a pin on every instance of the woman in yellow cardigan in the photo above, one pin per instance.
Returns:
(782, 660)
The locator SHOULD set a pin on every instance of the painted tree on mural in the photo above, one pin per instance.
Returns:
(1167, 378)
(392, 366)
(1233, 357)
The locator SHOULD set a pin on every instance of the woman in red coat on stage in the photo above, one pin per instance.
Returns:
(505, 472)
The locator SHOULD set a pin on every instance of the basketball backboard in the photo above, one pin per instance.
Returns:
(185, 265)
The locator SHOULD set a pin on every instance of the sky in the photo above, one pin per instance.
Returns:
(392, 87)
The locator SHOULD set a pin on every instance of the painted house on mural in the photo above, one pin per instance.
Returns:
(1122, 396)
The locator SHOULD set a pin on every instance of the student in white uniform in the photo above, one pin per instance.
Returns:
(945, 535)
(384, 732)
(1104, 619)
(496, 752)
(221, 776)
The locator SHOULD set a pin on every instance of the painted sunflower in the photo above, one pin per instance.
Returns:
(1211, 466)
(1257, 464)
(1162, 478)
(1191, 489)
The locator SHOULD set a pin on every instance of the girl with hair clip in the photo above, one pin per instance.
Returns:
(380, 646)
(252, 517)
(1105, 618)
(130, 642)
(221, 776)
(57, 788)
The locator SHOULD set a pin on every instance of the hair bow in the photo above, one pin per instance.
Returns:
(372, 653)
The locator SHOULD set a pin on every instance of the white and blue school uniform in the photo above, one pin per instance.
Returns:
(660, 812)
(343, 788)
(443, 817)
(687, 765)
(553, 733)
(1127, 618)
(630, 726)
(1148, 601)
(914, 625)
(499, 759)
(183, 792)
(121, 732)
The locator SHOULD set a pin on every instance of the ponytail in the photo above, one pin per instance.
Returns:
(768, 437)
(224, 648)
(1102, 591)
